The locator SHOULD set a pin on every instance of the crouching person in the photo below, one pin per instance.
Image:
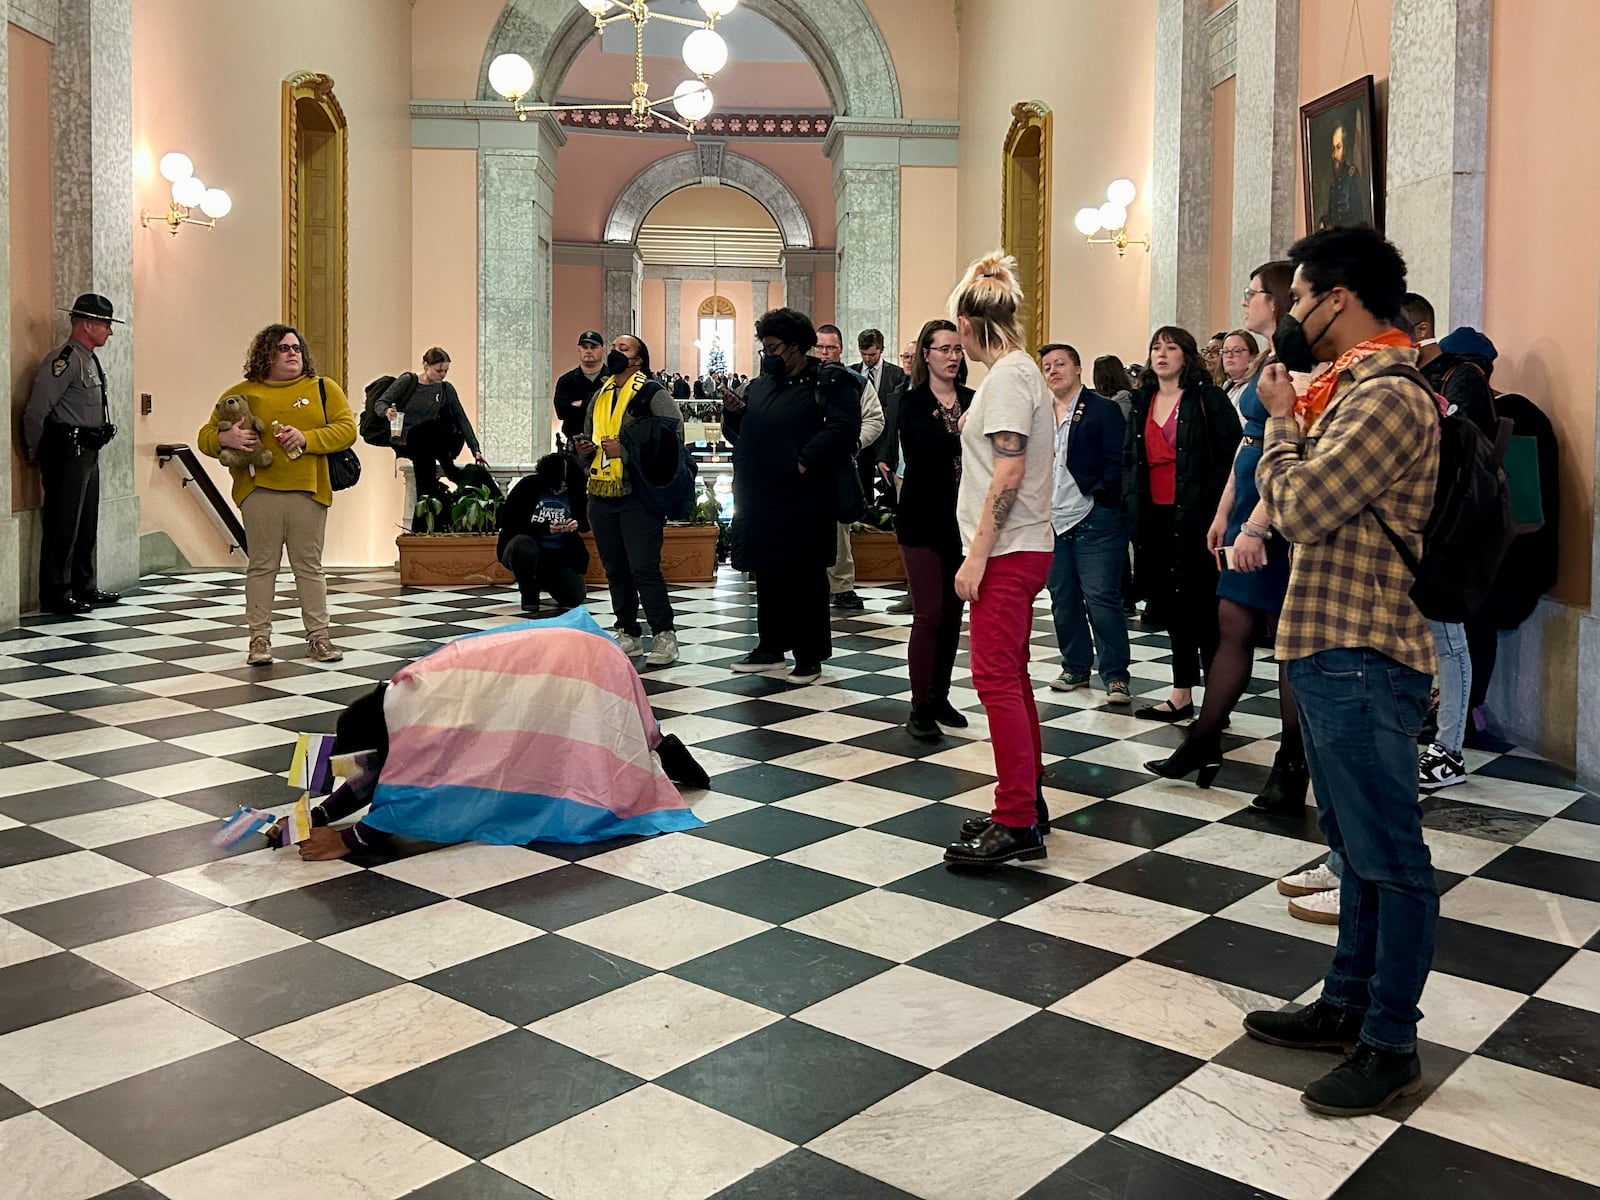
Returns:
(540, 525)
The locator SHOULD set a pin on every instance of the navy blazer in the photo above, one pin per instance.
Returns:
(1094, 450)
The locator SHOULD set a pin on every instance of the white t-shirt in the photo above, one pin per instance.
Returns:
(1012, 398)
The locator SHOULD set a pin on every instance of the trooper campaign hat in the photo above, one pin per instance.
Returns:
(94, 308)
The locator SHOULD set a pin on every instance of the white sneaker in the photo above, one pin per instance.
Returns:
(631, 645)
(1308, 883)
(663, 649)
(1320, 908)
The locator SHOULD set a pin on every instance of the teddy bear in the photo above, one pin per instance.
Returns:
(235, 410)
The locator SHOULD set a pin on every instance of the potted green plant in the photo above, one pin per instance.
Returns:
(455, 541)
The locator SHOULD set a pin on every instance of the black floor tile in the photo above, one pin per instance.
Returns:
(144, 672)
(1036, 968)
(1128, 823)
(897, 741)
(88, 698)
(562, 897)
(760, 745)
(802, 1175)
(186, 724)
(1301, 824)
(1278, 964)
(751, 685)
(1528, 770)
(320, 910)
(1076, 1070)
(931, 781)
(476, 1182)
(769, 830)
(1560, 873)
(769, 1079)
(531, 980)
(772, 891)
(1493, 956)
(261, 791)
(111, 912)
(1586, 809)
(181, 1110)
(10, 756)
(894, 712)
(1064, 743)
(12, 1105)
(1477, 820)
(990, 893)
(765, 783)
(1551, 1038)
(877, 685)
(486, 1097)
(1113, 1169)
(1093, 779)
(279, 988)
(1413, 1163)
(21, 729)
(1297, 1068)
(759, 713)
(932, 824)
(1181, 881)
(782, 970)
(175, 849)
(26, 844)
(134, 758)
(42, 989)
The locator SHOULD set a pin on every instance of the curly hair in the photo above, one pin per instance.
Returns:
(789, 326)
(258, 359)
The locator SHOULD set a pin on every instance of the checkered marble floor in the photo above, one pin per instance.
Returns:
(798, 1000)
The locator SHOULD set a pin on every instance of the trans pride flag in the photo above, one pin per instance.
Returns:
(536, 732)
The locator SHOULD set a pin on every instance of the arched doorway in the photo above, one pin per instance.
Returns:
(316, 297)
(1025, 211)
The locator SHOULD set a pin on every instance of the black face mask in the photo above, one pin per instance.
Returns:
(1290, 344)
(773, 364)
(616, 362)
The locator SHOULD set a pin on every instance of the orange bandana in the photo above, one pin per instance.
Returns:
(1308, 408)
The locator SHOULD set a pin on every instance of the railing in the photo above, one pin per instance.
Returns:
(197, 476)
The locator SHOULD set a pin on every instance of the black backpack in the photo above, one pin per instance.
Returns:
(1471, 525)
(374, 425)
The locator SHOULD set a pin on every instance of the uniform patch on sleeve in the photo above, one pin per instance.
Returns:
(60, 365)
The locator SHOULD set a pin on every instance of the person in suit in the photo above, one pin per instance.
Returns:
(881, 460)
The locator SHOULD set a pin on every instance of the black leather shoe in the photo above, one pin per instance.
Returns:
(849, 601)
(1164, 712)
(98, 599)
(1365, 1083)
(948, 714)
(1285, 790)
(921, 724)
(995, 845)
(1203, 754)
(66, 607)
(974, 826)
(1317, 1026)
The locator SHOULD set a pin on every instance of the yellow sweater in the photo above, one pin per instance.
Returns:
(295, 403)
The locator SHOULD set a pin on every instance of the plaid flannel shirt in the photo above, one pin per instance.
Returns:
(1375, 449)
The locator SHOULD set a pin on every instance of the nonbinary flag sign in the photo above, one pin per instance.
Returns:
(309, 770)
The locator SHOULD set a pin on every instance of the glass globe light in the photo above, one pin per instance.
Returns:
(511, 75)
(692, 99)
(1088, 221)
(187, 192)
(1113, 216)
(716, 9)
(216, 203)
(705, 53)
(1120, 192)
(175, 166)
(597, 8)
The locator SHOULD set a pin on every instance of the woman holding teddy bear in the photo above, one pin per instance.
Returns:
(274, 431)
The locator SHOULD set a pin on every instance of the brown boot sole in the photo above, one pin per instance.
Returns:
(1291, 889)
(1329, 1110)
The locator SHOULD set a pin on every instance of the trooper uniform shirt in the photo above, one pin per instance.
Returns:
(69, 389)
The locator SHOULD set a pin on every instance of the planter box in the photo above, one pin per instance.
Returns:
(877, 558)
(688, 555)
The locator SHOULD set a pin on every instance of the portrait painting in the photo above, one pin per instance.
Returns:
(1342, 174)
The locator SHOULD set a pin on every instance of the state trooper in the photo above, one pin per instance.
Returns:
(66, 422)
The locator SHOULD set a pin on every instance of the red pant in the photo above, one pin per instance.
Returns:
(1002, 620)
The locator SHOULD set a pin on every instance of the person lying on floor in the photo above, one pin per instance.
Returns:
(539, 732)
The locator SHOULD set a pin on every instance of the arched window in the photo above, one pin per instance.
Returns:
(316, 298)
(1025, 211)
(715, 343)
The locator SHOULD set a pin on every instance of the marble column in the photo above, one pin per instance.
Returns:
(672, 287)
(799, 277)
(1435, 161)
(91, 84)
(1266, 126)
(624, 272)
(516, 192)
(1180, 193)
(10, 596)
(866, 157)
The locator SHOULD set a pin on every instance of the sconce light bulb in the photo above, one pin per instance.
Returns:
(216, 203)
(1113, 216)
(175, 166)
(705, 53)
(1121, 192)
(1087, 221)
(187, 192)
(511, 75)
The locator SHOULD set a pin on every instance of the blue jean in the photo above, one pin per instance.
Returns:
(1455, 683)
(1086, 574)
(1360, 712)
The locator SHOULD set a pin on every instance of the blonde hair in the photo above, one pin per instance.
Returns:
(990, 298)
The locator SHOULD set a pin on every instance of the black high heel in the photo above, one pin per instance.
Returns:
(1285, 790)
(1201, 753)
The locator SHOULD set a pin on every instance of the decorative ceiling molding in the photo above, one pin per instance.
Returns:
(667, 175)
(1222, 42)
(782, 126)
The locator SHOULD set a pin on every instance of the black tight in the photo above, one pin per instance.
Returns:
(1239, 627)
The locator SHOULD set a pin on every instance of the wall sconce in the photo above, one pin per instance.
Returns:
(1112, 217)
(187, 193)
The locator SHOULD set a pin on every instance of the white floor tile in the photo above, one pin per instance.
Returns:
(867, 856)
(889, 925)
(672, 862)
(1115, 921)
(469, 867)
(1547, 915)
(663, 931)
(92, 830)
(45, 1162)
(1187, 1013)
(17, 945)
(251, 876)
(1576, 984)
(184, 777)
(426, 940)
(155, 957)
(60, 877)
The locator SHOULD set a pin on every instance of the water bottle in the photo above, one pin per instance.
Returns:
(277, 432)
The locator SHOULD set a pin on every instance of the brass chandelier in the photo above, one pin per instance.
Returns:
(704, 53)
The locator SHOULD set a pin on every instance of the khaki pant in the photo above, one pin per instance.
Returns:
(842, 575)
(273, 520)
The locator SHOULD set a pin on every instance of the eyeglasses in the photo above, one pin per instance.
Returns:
(289, 347)
(1236, 353)
(955, 350)
(1251, 293)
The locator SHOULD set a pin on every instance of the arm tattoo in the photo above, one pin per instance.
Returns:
(1008, 444)
(1002, 506)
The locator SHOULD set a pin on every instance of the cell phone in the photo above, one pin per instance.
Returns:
(1225, 558)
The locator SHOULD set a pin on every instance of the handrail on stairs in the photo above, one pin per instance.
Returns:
(197, 475)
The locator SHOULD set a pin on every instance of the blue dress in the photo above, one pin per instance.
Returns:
(1265, 589)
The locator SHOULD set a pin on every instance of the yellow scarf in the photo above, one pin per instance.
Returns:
(606, 475)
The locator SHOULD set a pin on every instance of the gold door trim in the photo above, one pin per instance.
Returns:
(1031, 123)
(334, 361)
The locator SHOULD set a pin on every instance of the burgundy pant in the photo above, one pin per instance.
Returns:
(1002, 620)
(936, 625)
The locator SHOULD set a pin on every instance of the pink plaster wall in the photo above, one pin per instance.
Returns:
(448, 39)
(924, 43)
(1225, 312)
(1340, 41)
(577, 303)
(33, 315)
(444, 256)
(928, 267)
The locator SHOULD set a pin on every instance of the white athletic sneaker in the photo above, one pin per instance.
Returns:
(1320, 908)
(1308, 883)
(663, 649)
(631, 645)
